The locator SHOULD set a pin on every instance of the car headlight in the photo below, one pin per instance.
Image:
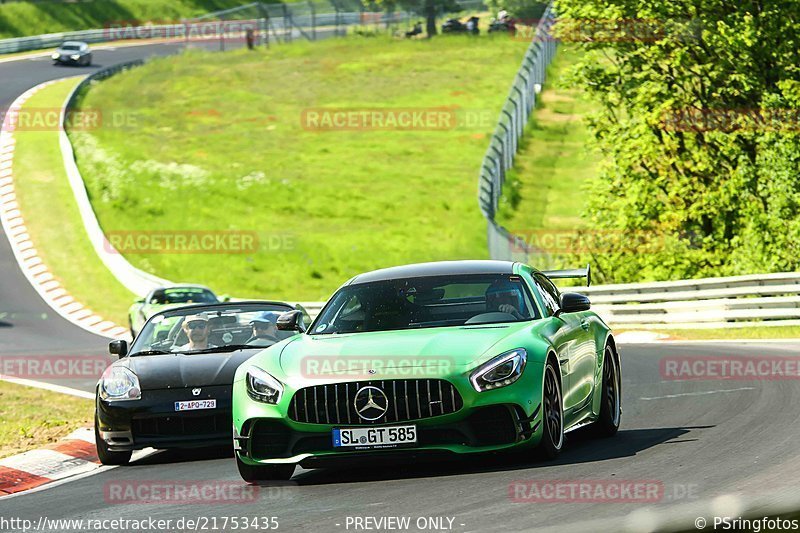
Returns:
(503, 370)
(55, 55)
(119, 383)
(262, 387)
(75, 57)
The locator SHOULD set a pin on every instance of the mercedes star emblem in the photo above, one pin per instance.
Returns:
(371, 403)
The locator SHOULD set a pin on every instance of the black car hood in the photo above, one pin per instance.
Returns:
(172, 371)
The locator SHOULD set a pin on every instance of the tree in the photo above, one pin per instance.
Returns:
(699, 119)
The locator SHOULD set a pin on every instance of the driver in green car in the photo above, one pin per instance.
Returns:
(506, 297)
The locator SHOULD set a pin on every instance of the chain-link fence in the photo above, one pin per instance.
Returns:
(505, 140)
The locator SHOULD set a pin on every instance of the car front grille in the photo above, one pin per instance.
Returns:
(181, 425)
(408, 399)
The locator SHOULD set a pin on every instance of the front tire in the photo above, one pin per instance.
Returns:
(552, 414)
(256, 473)
(611, 400)
(106, 456)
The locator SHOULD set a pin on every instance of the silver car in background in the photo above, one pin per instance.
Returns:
(72, 53)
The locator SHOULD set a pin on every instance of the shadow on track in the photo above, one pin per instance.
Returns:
(582, 447)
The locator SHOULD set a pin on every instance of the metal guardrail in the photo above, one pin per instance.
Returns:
(729, 302)
(304, 19)
(505, 141)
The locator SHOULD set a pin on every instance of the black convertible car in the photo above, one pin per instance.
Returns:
(172, 387)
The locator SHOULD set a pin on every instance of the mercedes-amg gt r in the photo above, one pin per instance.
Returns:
(450, 357)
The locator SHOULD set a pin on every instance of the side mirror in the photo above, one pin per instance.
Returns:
(139, 300)
(118, 348)
(291, 321)
(572, 302)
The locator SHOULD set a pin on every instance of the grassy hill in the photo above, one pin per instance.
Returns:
(19, 19)
(223, 142)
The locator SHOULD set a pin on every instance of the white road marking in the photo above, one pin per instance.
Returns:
(49, 386)
(701, 393)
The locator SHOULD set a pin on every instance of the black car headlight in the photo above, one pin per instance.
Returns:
(119, 383)
(262, 387)
(503, 370)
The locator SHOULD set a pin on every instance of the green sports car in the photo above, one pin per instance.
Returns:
(436, 358)
(162, 298)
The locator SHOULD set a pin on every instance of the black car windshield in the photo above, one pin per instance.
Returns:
(426, 302)
(70, 47)
(183, 295)
(210, 328)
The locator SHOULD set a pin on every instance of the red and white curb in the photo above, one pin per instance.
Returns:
(76, 454)
(32, 266)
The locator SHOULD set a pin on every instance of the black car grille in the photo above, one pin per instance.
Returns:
(408, 399)
(180, 425)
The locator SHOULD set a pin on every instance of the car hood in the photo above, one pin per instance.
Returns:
(447, 347)
(186, 370)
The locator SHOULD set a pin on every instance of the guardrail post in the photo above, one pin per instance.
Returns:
(313, 21)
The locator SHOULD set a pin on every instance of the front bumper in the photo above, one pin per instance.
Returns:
(500, 419)
(152, 421)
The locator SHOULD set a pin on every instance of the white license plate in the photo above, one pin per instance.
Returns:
(379, 437)
(193, 405)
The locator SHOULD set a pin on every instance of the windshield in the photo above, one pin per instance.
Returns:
(183, 295)
(70, 47)
(426, 302)
(211, 328)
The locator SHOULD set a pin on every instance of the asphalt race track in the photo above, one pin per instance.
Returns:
(28, 327)
(695, 439)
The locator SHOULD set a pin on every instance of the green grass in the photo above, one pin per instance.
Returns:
(215, 142)
(25, 425)
(18, 19)
(545, 189)
(52, 217)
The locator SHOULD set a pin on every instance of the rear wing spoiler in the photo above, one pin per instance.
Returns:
(572, 273)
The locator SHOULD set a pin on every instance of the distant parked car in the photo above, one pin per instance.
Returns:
(72, 53)
(162, 298)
